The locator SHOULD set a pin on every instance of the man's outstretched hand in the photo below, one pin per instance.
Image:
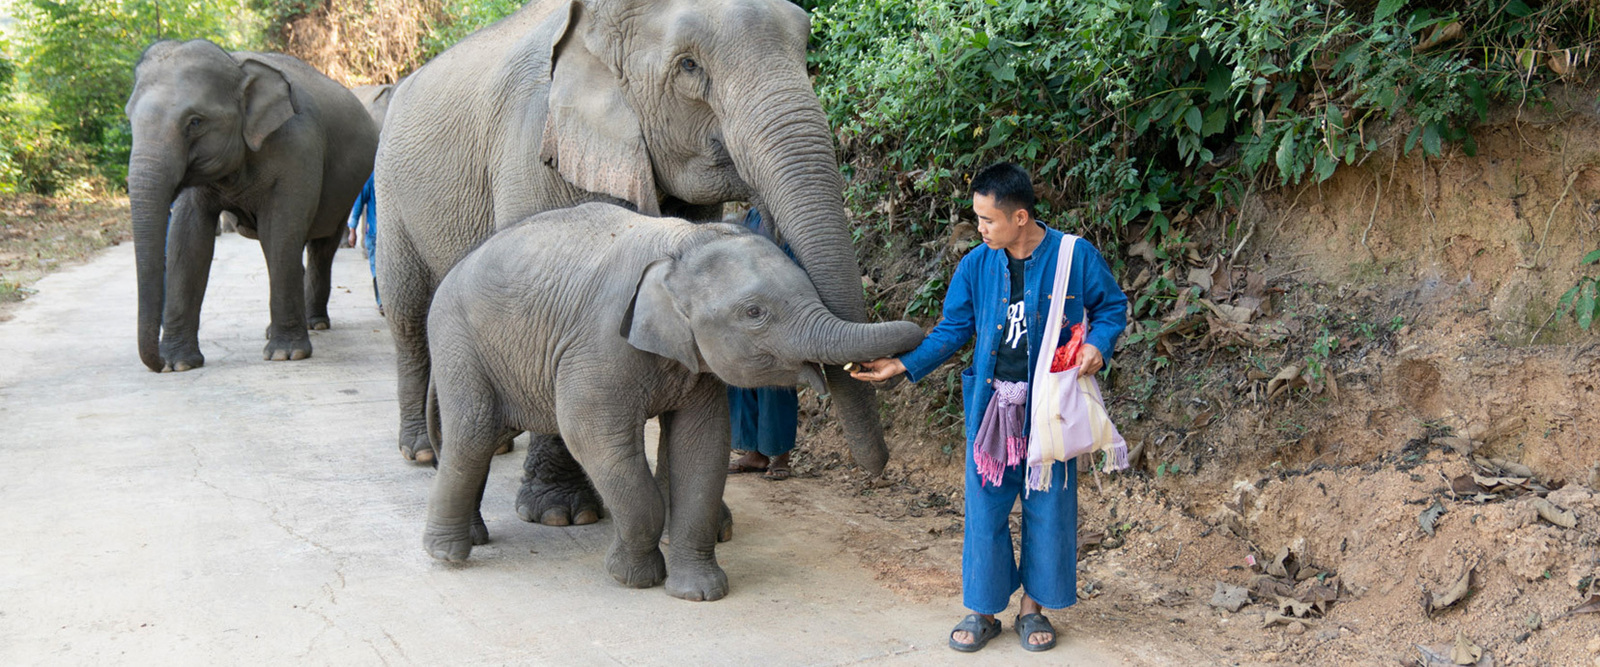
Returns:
(877, 370)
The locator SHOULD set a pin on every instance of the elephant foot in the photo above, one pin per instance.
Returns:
(182, 358)
(416, 447)
(321, 323)
(480, 532)
(700, 583)
(451, 544)
(636, 571)
(558, 503)
(286, 348)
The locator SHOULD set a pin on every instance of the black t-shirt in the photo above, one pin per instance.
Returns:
(1011, 364)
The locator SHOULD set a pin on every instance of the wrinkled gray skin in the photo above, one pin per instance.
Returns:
(262, 136)
(375, 99)
(589, 321)
(669, 107)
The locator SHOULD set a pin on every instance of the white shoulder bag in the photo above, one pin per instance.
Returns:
(1069, 417)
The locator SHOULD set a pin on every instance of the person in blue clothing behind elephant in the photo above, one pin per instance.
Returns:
(1000, 294)
(367, 206)
(764, 418)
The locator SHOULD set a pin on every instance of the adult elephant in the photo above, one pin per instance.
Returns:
(665, 107)
(376, 99)
(262, 136)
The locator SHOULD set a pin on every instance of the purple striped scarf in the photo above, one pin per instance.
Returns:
(1000, 443)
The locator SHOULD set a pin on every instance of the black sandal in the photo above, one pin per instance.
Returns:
(1028, 624)
(982, 631)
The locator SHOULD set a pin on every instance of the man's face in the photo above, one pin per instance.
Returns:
(999, 227)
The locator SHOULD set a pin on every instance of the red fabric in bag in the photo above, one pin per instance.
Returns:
(1067, 355)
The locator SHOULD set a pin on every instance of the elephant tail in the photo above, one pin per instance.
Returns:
(434, 432)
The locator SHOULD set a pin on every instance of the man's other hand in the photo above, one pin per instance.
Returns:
(878, 370)
(1089, 360)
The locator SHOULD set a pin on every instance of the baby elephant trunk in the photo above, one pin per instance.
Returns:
(830, 340)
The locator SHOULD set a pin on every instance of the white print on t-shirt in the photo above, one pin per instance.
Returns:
(1019, 326)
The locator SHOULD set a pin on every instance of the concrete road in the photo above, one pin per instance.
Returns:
(252, 512)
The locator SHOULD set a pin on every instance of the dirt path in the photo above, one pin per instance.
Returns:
(260, 511)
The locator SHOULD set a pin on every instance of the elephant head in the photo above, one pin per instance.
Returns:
(738, 308)
(702, 103)
(196, 114)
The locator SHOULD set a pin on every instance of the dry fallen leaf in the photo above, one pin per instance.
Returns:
(1284, 565)
(1465, 486)
(1462, 587)
(1465, 652)
(1549, 512)
(1430, 517)
(1590, 606)
(1231, 598)
(1293, 607)
(1285, 379)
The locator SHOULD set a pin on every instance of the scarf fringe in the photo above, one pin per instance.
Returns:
(1119, 456)
(989, 468)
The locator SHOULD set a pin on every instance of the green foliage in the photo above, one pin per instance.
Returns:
(75, 65)
(1145, 109)
(464, 17)
(1582, 302)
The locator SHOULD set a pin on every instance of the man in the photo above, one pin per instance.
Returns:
(367, 205)
(1000, 294)
(764, 419)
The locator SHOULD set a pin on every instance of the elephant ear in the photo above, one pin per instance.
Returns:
(654, 322)
(591, 135)
(267, 103)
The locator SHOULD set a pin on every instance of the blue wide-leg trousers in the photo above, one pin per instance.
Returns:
(1049, 556)
(764, 420)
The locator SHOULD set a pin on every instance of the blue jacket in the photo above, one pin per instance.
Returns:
(367, 204)
(976, 303)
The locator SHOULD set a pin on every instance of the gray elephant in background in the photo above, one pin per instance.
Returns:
(262, 136)
(589, 321)
(667, 107)
(376, 100)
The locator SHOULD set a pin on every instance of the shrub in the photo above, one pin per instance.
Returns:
(1142, 111)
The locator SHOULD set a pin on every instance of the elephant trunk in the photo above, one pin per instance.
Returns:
(830, 340)
(783, 148)
(151, 189)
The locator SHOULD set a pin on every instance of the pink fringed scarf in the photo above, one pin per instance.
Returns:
(1000, 443)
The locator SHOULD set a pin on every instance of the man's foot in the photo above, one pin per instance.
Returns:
(974, 632)
(778, 469)
(1035, 632)
(750, 462)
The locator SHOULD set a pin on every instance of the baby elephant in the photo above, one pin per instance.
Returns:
(587, 322)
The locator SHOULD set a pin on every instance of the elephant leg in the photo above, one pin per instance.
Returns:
(664, 485)
(696, 437)
(407, 294)
(283, 241)
(319, 280)
(191, 242)
(470, 425)
(612, 447)
(555, 491)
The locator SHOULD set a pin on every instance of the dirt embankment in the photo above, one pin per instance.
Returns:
(1367, 404)
(39, 234)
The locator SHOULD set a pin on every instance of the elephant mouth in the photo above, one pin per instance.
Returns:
(811, 376)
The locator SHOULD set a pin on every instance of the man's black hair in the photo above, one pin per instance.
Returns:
(1009, 184)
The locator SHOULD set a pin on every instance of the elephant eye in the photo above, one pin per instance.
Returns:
(194, 123)
(689, 65)
(752, 312)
